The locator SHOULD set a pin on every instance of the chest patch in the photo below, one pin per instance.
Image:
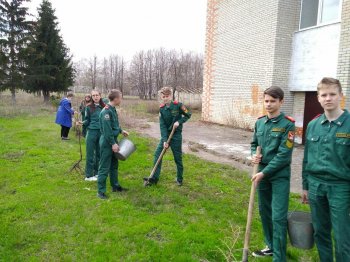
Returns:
(278, 129)
(174, 112)
(107, 117)
(343, 135)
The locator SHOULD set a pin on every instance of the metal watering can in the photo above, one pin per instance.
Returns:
(126, 148)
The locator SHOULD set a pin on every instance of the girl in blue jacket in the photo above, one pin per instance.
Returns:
(64, 115)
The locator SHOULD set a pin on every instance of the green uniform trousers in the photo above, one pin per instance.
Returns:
(330, 209)
(84, 131)
(108, 165)
(273, 194)
(176, 148)
(92, 152)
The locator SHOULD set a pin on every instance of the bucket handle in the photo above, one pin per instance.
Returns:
(296, 207)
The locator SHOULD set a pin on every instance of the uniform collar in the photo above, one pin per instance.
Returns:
(275, 119)
(168, 106)
(341, 119)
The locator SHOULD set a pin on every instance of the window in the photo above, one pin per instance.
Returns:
(318, 12)
(309, 13)
(330, 11)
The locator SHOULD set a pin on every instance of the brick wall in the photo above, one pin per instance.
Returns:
(287, 24)
(248, 48)
(209, 58)
(343, 71)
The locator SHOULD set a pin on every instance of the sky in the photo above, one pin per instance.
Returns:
(123, 27)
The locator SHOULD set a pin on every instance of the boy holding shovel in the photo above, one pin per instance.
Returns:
(172, 115)
(274, 133)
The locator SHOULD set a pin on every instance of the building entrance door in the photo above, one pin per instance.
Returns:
(311, 110)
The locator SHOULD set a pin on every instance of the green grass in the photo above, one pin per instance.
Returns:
(49, 215)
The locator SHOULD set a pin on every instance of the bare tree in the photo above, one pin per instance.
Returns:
(121, 75)
(105, 75)
(92, 71)
(147, 72)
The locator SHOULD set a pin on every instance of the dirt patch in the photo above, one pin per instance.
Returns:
(220, 144)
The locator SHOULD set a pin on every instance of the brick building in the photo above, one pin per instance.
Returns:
(251, 45)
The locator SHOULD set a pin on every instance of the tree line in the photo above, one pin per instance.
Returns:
(34, 58)
(145, 74)
(33, 55)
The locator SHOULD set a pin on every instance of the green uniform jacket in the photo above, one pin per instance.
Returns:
(109, 123)
(276, 138)
(327, 150)
(168, 115)
(92, 119)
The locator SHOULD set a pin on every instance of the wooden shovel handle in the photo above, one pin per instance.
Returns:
(250, 211)
(163, 152)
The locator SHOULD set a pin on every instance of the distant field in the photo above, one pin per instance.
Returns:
(49, 215)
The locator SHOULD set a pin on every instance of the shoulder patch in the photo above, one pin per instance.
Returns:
(291, 119)
(184, 109)
(176, 102)
(290, 140)
(261, 116)
(162, 105)
(317, 116)
(106, 116)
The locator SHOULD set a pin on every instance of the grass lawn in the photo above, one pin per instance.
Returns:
(49, 215)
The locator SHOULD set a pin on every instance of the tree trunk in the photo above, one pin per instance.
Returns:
(46, 95)
(13, 95)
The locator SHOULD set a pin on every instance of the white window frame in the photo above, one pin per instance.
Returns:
(319, 15)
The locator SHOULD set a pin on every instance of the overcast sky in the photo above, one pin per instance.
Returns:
(123, 27)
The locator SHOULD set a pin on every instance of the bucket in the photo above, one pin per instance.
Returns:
(300, 230)
(126, 148)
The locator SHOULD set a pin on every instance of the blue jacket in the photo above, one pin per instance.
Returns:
(64, 113)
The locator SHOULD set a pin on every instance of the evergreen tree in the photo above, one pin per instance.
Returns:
(15, 32)
(50, 67)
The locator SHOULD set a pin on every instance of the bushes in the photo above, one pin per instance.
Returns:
(55, 100)
(152, 107)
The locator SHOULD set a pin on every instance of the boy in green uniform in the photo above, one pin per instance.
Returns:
(172, 113)
(110, 129)
(326, 173)
(274, 133)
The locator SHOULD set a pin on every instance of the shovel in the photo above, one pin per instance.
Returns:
(250, 212)
(160, 157)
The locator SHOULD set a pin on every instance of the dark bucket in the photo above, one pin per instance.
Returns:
(300, 230)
